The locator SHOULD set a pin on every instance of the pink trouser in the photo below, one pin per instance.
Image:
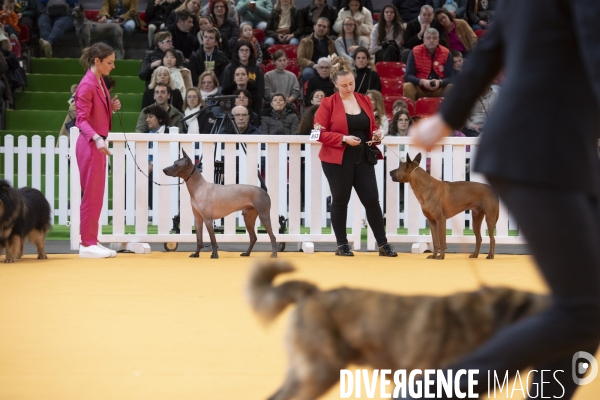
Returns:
(92, 175)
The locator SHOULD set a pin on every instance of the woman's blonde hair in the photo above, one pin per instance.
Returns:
(355, 35)
(201, 101)
(155, 74)
(278, 5)
(379, 106)
(340, 67)
(183, 7)
(212, 75)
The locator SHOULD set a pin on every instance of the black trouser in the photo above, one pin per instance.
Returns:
(342, 178)
(563, 231)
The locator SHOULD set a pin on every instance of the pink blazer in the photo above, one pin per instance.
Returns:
(332, 117)
(94, 112)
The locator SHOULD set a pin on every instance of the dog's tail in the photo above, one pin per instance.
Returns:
(269, 301)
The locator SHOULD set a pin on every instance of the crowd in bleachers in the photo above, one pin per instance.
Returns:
(277, 58)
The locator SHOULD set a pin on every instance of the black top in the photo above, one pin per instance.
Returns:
(358, 125)
(534, 134)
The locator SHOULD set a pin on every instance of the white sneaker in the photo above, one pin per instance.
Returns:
(93, 252)
(112, 252)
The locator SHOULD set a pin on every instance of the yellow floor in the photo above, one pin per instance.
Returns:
(164, 326)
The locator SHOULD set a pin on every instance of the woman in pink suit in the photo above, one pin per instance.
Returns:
(347, 122)
(94, 113)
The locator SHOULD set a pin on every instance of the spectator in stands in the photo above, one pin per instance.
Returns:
(349, 40)
(193, 8)
(232, 13)
(27, 12)
(409, 9)
(207, 22)
(154, 58)
(243, 56)
(366, 78)
(460, 35)
(53, 24)
(382, 121)
(285, 24)
(228, 27)
(318, 9)
(458, 61)
(246, 33)
(157, 12)
(476, 122)
(181, 77)
(281, 81)
(387, 34)
(316, 97)
(244, 98)
(255, 12)
(241, 117)
(339, 4)
(123, 12)
(209, 84)
(162, 75)
(425, 78)
(157, 120)
(183, 39)
(242, 81)
(399, 105)
(315, 47)
(10, 20)
(457, 8)
(480, 13)
(162, 94)
(415, 29)
(201, 123)
(208, 57)
(400, 123)
(362, 17)
(321, 81)
(278, 119)
(308, 120)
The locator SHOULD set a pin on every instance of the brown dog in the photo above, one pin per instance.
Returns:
(210, 202)
(442, 200)
(330, 329)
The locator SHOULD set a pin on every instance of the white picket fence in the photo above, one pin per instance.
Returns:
(282, 159)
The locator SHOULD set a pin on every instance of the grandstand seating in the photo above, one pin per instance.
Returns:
(291, 50)
(392, 86)
(427, 106)
(390, 69)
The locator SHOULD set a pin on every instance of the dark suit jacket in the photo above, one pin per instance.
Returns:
(536, 133)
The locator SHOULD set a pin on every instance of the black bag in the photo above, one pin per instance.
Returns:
(390, 51)
(70, 124)
(372, 154)
(57, 8)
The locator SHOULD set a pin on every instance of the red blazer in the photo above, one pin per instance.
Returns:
(332, 117)
(94, 113)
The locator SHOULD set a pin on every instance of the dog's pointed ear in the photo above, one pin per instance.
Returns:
(418, 158)
(408, 158)
(185, 154)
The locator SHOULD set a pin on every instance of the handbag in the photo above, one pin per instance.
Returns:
(57, 8)
(372, 154)
(70, 124)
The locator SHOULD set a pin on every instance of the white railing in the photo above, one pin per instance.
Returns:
(282, 159)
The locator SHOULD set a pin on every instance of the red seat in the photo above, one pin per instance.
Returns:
(291, 50)
(16, 47)
(392, 86)
(292, 66)
(259, 34)
(376, 17)
(427, 106)
(263, 67)
(389, 101)
(92, 15)
(391, 69)
(142, 17)
(305, 87)
(24, 33)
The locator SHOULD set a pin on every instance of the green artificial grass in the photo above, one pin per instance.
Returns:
(71, 66)
(58, 101)
(32, 120)
(63, 83)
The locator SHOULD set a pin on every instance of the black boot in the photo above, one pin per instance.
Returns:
(344, 250)
(386, 250)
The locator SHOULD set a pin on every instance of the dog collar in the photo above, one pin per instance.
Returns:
(411, 172)
(193, 170)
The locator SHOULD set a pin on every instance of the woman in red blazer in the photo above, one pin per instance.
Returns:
(94, 113)
(346, 122)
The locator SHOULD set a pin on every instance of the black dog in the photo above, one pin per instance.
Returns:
(24, 213)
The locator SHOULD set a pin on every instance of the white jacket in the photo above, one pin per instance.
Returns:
(363, 16)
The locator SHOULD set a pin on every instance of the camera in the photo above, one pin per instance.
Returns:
(432, 83)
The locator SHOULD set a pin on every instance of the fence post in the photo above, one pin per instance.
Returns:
(49, 192)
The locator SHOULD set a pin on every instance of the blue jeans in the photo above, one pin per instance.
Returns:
(307, 73)
(270, 42)
(52, 28)
(128, 26)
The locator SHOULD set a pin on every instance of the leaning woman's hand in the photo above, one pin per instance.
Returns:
(101, 145)
(429, 131)
(352, 140)
(116, 103)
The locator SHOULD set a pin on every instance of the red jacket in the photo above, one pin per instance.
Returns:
(423, 61)
(94, 114)
(332, 117)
